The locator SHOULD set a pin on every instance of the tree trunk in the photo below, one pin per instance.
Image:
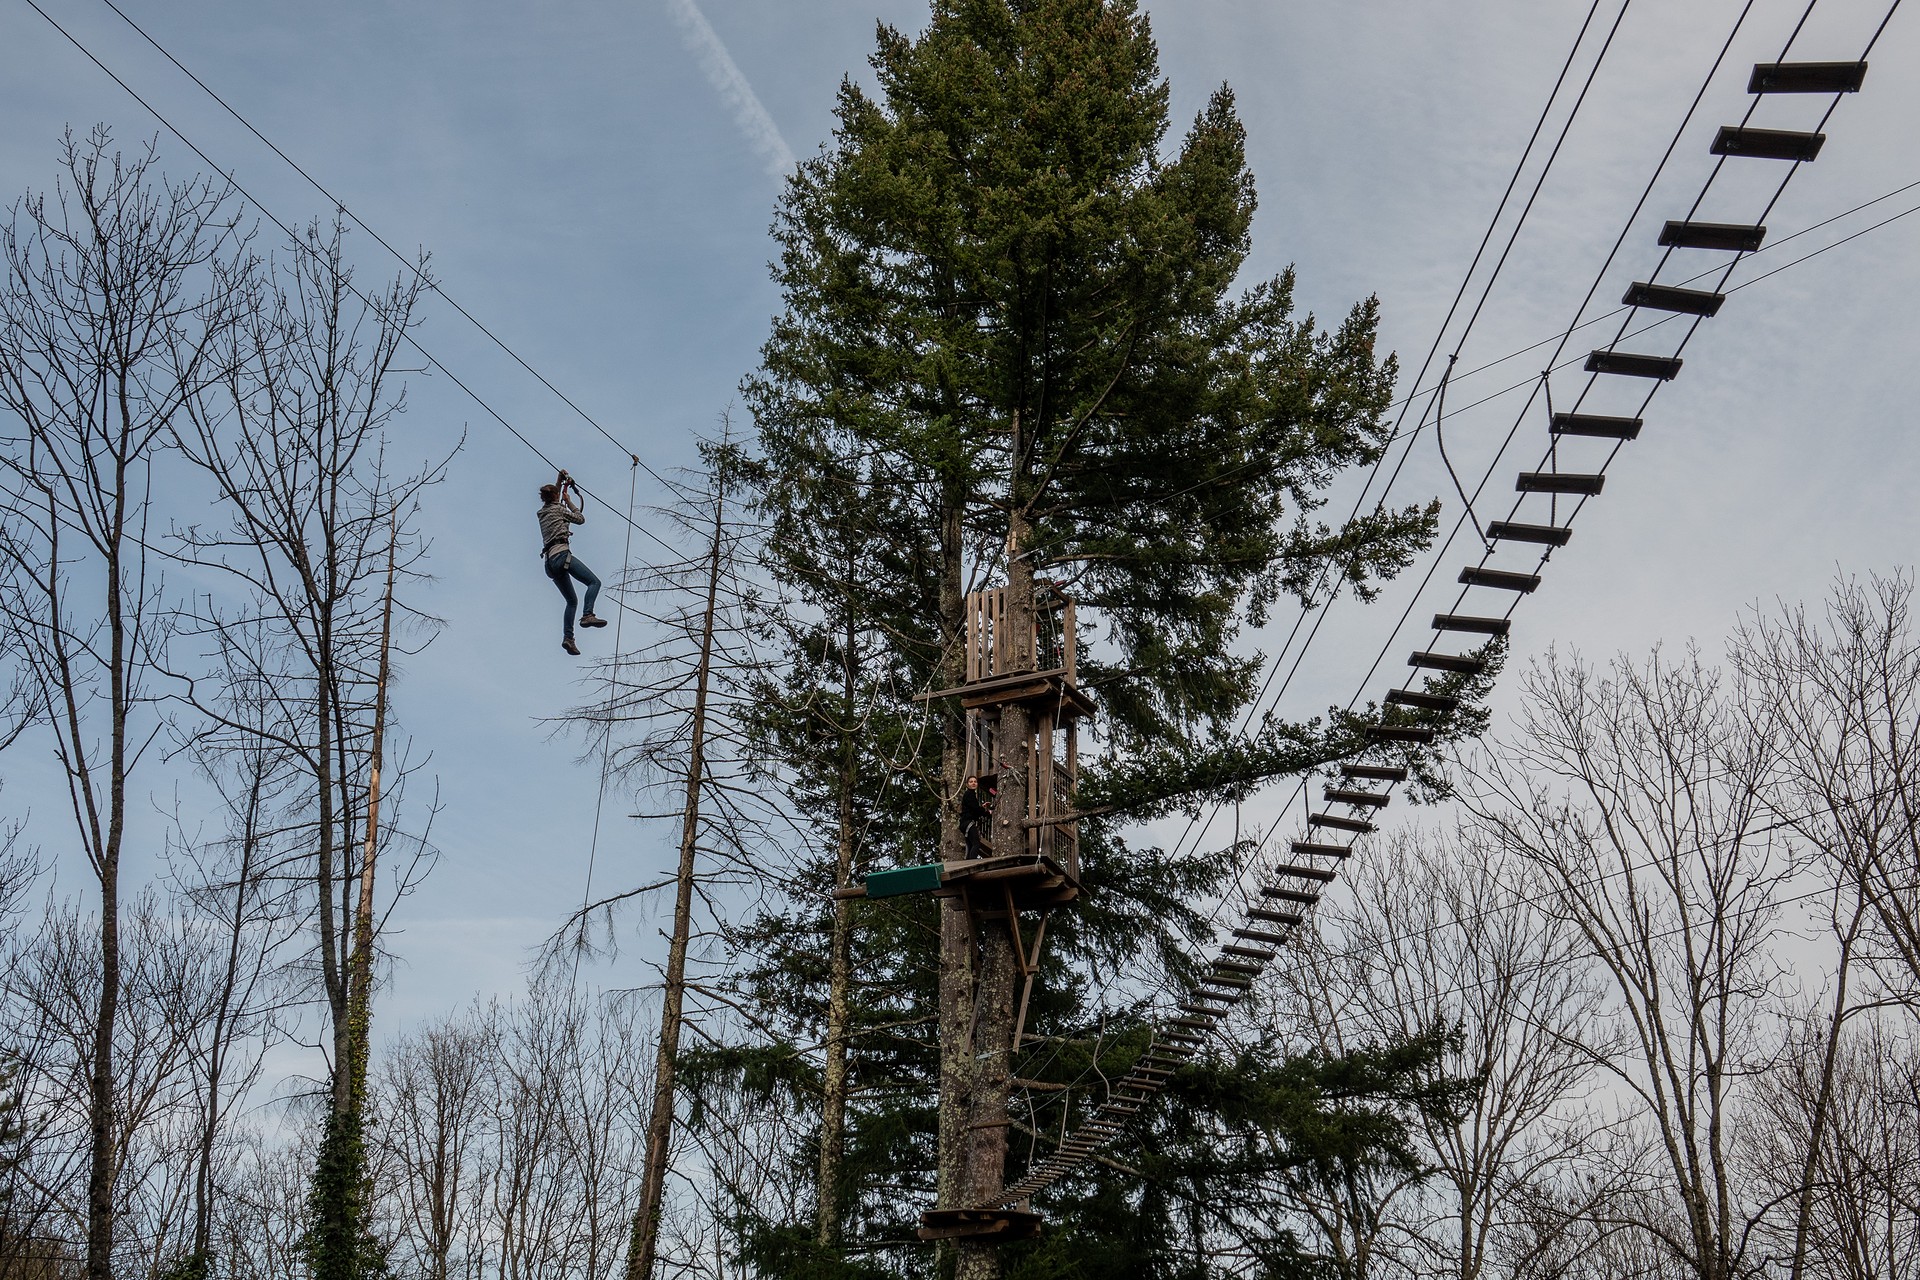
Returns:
(223, 1021)
(1823, 1100)
(991, 1060)
(833, 1103)
(102, 1162)
(956, 928)
(360, 979)
(646, 1220)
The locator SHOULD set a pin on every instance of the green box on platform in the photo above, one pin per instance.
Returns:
(887, 884)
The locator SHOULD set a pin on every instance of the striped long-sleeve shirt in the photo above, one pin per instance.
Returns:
(556, 521)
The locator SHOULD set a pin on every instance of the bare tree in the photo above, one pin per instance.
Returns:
(1637, 796)
(318, 530)
(1847, 689)
(232, 890)
(1447, 932)
(707, 643)
(120, 292)
(512, 1135)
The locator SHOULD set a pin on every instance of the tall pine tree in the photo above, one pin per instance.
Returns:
(1014, 350)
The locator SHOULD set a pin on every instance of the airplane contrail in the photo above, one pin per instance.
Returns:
(725, 76)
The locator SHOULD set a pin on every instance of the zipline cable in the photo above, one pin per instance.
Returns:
(404, 261)
(298, 243)
(1526, 409)
(1195, 827)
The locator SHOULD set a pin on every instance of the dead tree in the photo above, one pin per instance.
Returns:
(119, 298)
(1443, 931)
(319, 540)
(1847, 690)
(1636, 794)
(672, 725)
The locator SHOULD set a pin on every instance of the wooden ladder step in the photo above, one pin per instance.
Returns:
(1560, 482)
(1468, 623)
(1595, 424)
(1346, 795)
(1423, 700)
(1631, 364)
(1552, 535)
(1730, 236)
(1807, 77)
(1375, 772)
(1461, 662)
(1399, 733)
(1667, 297)
(1767, 144)
(1500, 579)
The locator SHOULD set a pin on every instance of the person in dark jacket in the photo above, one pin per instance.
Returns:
(976, 812)
(560, 510)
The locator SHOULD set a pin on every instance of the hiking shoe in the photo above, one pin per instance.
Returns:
(591, 621)
(570, 646)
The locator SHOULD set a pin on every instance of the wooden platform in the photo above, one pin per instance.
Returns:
(978, 1224)
(1054, 687)
(1034, 883)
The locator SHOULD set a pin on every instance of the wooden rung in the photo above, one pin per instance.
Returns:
(1262, 954)
(1477, 626)
(1500, 579)
(1766, 144)
(1308, 849)
(1423, 700)
(1399, 733)
(1666, 297)
(1461, 662)
(1367, 799)
(1260, 935)
(1307, 896)
(1376, 772)
(1595, 424)
(1231, 966)
(1227, 980)
(1304, 873)
(1552, 535)
(1193, 1022)
(1807, 77)
(1339, 823)
(1276, 917)
(1631, 364)
(1560, 482)
(1733, 237)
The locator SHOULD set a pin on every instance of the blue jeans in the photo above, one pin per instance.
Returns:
(561, 567)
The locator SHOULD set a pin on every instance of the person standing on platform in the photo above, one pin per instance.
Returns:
(976, 812)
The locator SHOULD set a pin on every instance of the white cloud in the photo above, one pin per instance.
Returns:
(749, 113)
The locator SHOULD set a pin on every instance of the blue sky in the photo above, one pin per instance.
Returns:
(595, 181)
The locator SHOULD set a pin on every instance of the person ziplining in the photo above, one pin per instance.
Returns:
(560, 510)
